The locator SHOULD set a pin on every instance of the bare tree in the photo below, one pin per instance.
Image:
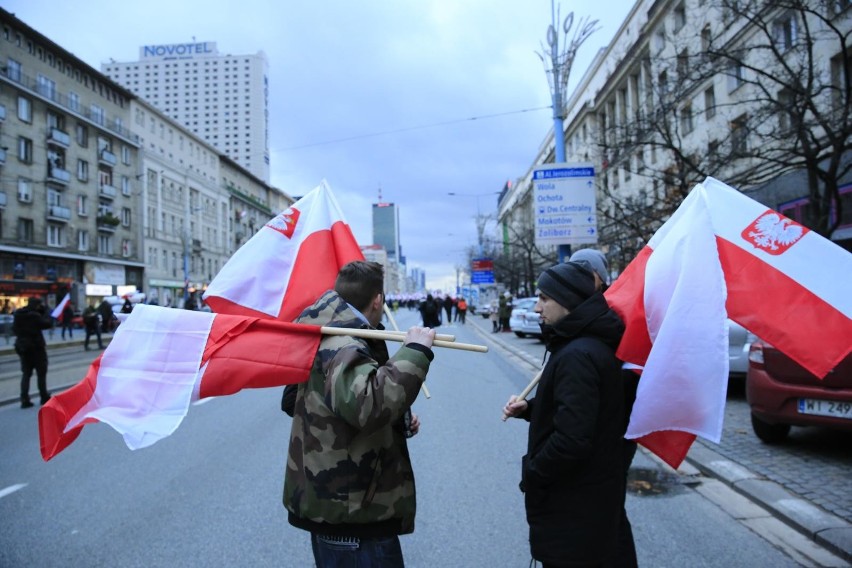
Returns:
(788, 111)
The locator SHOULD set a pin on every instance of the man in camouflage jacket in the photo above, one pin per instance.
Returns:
(349, 480)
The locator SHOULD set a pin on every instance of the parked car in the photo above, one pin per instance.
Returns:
(524, 321)
(781, 394)
(739, 342)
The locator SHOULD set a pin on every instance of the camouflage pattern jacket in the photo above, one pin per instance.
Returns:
(348, 470)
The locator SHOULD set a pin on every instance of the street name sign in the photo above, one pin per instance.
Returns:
(565, 204)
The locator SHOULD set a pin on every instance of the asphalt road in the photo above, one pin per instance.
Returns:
(210, 495)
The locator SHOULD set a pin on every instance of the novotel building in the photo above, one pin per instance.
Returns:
(224, 99)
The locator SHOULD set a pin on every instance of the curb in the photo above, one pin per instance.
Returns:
(822, 527)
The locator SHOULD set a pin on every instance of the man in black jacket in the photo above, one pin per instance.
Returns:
(28, 324)
(573, 473)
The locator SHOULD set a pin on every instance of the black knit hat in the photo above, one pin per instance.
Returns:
(569, 284)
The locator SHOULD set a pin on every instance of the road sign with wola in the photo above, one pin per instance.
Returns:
(564, 201)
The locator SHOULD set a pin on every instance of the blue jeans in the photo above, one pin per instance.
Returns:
(342, 552)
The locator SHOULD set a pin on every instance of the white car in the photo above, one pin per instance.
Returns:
(524, 321)
(739, 343)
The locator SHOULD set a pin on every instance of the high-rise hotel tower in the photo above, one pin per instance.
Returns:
(224, 99)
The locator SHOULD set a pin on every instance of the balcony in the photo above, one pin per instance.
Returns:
(2, 199)
(107, 158)
(107, 191)
(107, 223)
(196, 246)
(58, 137)
(58, 176)
(58, 213)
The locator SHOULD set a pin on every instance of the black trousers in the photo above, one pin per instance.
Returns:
(33, 359)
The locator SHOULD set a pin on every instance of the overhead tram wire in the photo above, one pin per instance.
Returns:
(410, 128)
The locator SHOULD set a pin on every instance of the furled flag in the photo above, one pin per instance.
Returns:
(161, 359)
(288, 263)
(722, 250)
(60, 307)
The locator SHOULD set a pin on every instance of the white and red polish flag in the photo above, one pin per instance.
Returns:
(723, 254)
(60, 307)
(161, 359)
(288, 263)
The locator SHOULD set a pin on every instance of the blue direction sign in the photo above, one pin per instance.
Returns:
(565, 204)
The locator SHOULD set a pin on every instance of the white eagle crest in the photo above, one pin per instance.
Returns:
(281, 222)
(772, 230)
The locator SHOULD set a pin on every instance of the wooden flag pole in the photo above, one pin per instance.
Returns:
(526, 392)
(391, 336)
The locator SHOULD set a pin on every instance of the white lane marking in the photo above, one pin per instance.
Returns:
(11, 489)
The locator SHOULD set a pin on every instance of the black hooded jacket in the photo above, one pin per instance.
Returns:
(573, 475)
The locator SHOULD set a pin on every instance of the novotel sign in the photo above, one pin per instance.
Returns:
(178, 50)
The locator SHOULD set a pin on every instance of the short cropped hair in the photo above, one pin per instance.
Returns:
(359, 281)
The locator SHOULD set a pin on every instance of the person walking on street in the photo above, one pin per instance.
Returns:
(461, 309)
(93, 326)
(505, 311)
(448, 308)
(67, 316)
(28, 323)
(430, 311)
(349, 479)
(572, 475)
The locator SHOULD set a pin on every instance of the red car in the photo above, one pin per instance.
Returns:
(782, 394)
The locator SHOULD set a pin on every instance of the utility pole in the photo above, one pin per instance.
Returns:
(557, 67)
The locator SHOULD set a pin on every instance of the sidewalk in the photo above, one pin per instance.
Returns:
(827, 530)
(10, 370)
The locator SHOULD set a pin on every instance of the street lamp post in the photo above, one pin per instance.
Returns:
(480, 218)
(187, 236)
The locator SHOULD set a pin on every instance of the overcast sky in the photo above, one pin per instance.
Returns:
(370, 94)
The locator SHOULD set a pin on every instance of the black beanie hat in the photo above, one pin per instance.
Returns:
(569, 284)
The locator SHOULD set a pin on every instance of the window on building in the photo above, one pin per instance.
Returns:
(679, 16)
(46, 87)
(736, 75)
(25, 150)
(25, 190)
(125, 186)
(82, 240)
(841, 78)
(125, 155)
(663, 84)
(55, 235)
(786, 112)
(706, 38)
(104, 244)
(785, 32)
(74, 102)
(125, 216)
(26, 229)
(837, 7)
(82, 205)
(686, 123)
(126, 248)
(13, 70)
(82, 170)
(97, 114)
(739, 136)
(709, 102)
(25, 109)
(81, 132)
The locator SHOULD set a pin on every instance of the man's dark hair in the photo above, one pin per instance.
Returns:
(359, 281)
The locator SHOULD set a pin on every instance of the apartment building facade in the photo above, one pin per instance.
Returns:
(690, 88)
(69, 218)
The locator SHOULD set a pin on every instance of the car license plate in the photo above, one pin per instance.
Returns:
(834, 408)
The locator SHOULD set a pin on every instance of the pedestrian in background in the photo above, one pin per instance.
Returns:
(28, 324)
(91, 319)
(505, 311)
(67, 316)
(461, 309)
(572, 475)
(448, 308)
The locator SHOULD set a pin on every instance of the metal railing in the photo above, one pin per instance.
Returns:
(58, 213)
(32, 85)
